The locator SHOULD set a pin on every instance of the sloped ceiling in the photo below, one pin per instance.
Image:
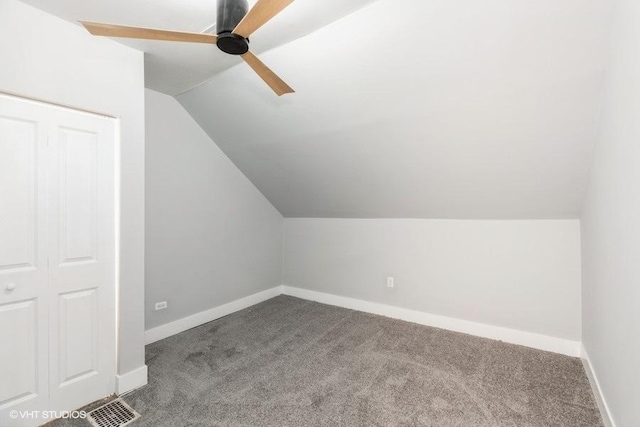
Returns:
(404, 108)
(422, 108)
(172, 68)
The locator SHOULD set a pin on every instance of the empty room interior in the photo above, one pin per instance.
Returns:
(320, 213)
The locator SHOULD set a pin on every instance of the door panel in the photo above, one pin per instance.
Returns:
(18, 181)
(19, 369)
(78, 336)
(78, 195)
(82, 261)
(24, 367)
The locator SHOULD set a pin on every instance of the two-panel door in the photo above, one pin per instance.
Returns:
(57, 260)
(24, 336)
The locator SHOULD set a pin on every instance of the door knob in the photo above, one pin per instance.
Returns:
(10, 287)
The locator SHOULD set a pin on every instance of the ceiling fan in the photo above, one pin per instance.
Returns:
(235, 23)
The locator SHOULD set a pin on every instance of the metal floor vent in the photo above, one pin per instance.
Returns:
(114, 414)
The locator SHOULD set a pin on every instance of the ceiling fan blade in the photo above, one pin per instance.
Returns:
(260, 14)
(147, 33)
(269, 77)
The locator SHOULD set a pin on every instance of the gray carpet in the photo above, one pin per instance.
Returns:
(289, 362)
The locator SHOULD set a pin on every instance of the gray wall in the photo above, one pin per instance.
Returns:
(611, 229)
(211, 236)
(523, 275)
(47, 58)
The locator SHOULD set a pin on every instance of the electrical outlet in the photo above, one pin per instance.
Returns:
(161, 305)
(390, 282)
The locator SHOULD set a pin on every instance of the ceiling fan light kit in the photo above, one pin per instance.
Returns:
(235, 23)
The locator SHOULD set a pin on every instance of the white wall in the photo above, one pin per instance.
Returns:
(611, 229)
(523, 275)
(211, 237)
(47, 58)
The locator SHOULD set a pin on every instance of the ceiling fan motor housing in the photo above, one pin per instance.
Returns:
(230, 13)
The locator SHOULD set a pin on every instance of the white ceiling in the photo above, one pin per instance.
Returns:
(172, 68)
(422, 108)
(405, 108)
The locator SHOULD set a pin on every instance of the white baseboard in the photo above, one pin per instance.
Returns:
(513, 336)
(181, 325)
(597, 391)
(131, 380)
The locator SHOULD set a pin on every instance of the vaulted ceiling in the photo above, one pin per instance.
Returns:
(404, 108)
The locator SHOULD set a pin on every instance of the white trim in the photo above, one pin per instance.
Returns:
(164, 331)
(131, 380)
(27, 98)
(117, 207)
(513, 336)
(607, 418)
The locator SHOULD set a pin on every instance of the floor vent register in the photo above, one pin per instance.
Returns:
(114, 414)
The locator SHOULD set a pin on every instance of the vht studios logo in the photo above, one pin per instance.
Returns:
(47, 415)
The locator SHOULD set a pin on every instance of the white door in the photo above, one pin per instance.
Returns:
(57, 252)
(24, 378)
(81, 259)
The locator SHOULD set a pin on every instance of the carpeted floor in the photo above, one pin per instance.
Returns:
(290, 362)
